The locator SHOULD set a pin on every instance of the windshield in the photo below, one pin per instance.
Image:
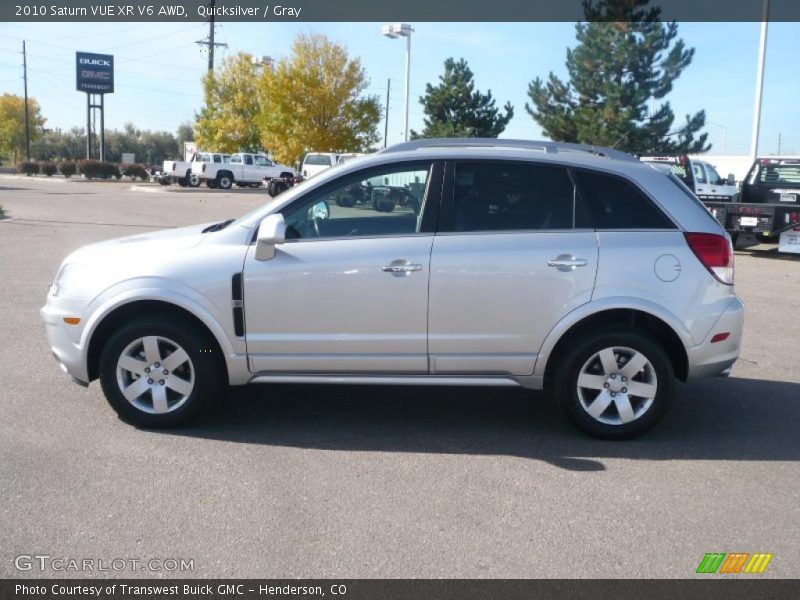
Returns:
(317, 159)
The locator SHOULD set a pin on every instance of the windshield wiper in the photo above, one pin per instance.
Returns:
(218, 226)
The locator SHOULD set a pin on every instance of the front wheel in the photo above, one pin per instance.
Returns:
(615, 383)
(160, 372)
(224, 181)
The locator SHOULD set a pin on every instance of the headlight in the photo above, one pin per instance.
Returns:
(62, 279)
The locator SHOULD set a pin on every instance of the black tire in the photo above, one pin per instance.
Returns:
(581, 350)
(345, 201)
(206, 364)
(164, 180)
(224, 181)
(182, 181)
(383, 204)
(280, 187)
(211, 184)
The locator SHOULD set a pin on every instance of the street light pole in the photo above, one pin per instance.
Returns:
(405, 30)
(724, 133)
(762, 52)
(408, 84)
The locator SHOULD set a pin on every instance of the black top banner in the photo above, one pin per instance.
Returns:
(375, 10)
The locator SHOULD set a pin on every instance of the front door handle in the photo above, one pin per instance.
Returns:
(401, 267)
(567, 262)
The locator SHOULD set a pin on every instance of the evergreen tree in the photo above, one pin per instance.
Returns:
(455, 109)
(626, 60)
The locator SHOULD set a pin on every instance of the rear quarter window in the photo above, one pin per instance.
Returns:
(615, 203)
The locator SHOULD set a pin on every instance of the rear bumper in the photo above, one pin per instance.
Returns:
(710, 359)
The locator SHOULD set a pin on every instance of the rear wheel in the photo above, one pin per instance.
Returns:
(193, 180)
(615, 383)
(160, 372)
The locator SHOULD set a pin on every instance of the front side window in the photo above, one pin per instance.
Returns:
(713, 176)
(382, 201)
(261, 161)
(248, 160)
(510, 196)
(615, 203)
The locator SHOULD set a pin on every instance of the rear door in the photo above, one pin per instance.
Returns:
(513, 254)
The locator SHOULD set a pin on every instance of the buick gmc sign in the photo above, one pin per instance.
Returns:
(94, 73)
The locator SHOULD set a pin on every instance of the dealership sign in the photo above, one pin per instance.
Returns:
(94, 73)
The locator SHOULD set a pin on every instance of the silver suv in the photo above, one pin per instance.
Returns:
(434, 262)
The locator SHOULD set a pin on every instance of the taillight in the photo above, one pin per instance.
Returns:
(204, 167)
(173, 167)
(715, 252)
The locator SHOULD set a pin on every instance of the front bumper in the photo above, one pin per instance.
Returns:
(64, 340)
(710, 359)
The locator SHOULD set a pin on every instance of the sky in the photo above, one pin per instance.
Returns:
(158, 69)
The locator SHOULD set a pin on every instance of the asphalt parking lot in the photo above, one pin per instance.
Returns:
(309, 481)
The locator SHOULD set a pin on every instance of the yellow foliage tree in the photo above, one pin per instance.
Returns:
(314, 100)
(12, 125)
(229, 120)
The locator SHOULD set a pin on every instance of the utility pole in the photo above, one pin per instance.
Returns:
(386, 121)
(209, 41)
(27, 122)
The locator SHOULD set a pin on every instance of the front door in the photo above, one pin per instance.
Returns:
(348, 291)
(510, 260)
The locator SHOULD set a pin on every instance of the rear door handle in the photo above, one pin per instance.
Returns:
(567, 262)
(401, 267)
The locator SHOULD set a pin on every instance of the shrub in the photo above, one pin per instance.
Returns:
(95, 169)
(134, 171)
(49, 169)
(29, 167)
(67, 168)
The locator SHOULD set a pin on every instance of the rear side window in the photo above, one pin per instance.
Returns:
(509, 196)
(614, 203)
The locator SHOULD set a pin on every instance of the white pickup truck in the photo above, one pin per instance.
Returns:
(183, 172)
(243, 169)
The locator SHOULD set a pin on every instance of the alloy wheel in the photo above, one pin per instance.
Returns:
(617, 385)
(155, 374)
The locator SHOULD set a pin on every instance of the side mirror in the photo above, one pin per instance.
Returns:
(271, 232)
(320, 210)
(730, 180)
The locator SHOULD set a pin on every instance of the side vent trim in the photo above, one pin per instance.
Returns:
(237, 297)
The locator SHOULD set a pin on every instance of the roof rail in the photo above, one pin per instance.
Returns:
(543, 146)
